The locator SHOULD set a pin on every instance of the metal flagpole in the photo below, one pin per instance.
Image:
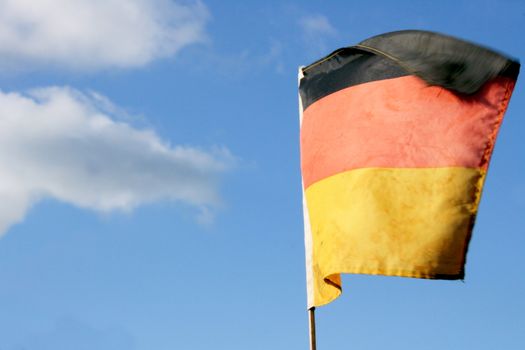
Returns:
(311, 323)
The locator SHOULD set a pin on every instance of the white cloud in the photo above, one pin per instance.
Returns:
(57, 142)
(316, 28)
(317, 25)
(94, 34)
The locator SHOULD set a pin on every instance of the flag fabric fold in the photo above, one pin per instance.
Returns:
(396, 138)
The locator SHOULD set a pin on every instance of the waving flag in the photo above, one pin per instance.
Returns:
(396, 138)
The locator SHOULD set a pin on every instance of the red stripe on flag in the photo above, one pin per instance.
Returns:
(400, 123)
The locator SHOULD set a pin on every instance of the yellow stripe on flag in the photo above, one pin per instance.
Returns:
(410, 222)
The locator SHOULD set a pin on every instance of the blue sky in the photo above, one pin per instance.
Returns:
(150, 183)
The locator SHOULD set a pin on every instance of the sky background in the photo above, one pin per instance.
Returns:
(150, 190)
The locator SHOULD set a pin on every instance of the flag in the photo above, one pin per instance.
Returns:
(396, 138)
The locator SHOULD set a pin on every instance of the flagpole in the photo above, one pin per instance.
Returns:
(311, 324)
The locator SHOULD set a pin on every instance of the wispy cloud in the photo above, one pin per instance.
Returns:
(58, 142)
(72, 334)
(87, 34)
(316, 29)
(242, 63)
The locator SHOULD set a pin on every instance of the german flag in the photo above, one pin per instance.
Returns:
(396, 138)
